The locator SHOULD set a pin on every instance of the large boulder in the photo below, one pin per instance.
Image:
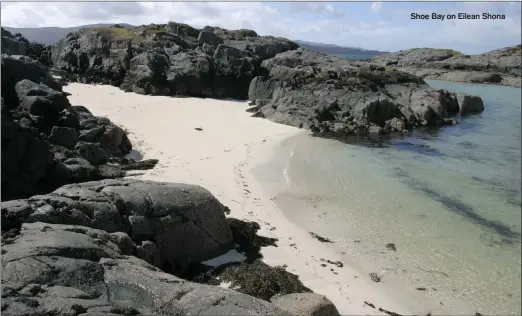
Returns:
(147, 74)
(76, 270)
(190, 74)
(469, 104)
(234, 69)
(186, 223)
(39, 99)
(306, 304)
(28, 165)
(18, 68)
(209, 38)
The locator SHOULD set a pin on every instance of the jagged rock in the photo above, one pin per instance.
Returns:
(168, 59)
(18, 68)
(147, 74)
(71, 270)
(39, 99)
(92, 152)
(185, 222)
(306, 304)
(64, 136)
(209, 38)
(338, 98)
(44, 137)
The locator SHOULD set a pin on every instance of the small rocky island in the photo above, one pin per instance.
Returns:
(79, 239)
(502, 66)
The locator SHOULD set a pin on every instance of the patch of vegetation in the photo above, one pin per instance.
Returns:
(449, 51)
(119, 34)
(139, 34)
(247, 33)
(515, 50)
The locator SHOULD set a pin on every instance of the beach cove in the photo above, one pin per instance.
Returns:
(217, 145)
(170, 169)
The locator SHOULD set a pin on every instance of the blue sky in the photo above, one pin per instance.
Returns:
(372, 25)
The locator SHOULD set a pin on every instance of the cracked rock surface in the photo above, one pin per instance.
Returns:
(170, 225)
(50, 269)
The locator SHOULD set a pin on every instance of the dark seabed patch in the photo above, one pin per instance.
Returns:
(508, 235)
(467, 145)
(418, 148)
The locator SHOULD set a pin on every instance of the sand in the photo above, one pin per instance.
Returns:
(219, 157)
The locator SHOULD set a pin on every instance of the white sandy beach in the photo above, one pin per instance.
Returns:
(219, 158)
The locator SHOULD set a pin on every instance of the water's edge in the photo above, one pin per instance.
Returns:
(453, 215)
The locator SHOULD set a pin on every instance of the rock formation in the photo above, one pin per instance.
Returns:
(168, 59)
(501, 66)
(19, 45)
(46, 142)
(335, 97)
(96, 248)
(331, 96)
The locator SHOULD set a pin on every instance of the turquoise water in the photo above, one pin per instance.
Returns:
(448, 198)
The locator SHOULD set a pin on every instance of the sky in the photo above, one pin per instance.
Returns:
(385, 26)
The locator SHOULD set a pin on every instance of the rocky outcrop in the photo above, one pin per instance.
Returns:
(183, 224)
(10, 44)
(52, 269)
(501, 66)
(46, 142)
(19, 45)
(168, 59)
(335, 97)
(119, 247)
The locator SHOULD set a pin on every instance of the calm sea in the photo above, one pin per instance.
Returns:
(449, 199)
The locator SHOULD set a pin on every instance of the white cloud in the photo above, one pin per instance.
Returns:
(376, 6)
(330, 25)
(317, 7)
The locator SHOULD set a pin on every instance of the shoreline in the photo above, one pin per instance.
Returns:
(241, 193)
(193, 146)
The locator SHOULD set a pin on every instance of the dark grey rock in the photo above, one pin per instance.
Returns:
(186, 223)
(168, 59)
(209, 38)
(64, 136)
(338, 98)
(17, 68)
(92, 152)
(469, 104)
(69, 270)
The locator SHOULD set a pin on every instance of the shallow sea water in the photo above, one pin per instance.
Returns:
(449, 199)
